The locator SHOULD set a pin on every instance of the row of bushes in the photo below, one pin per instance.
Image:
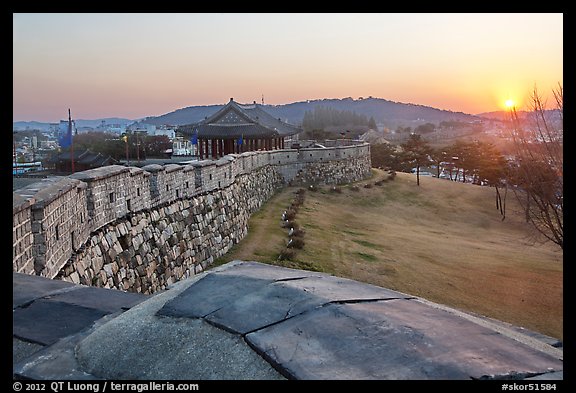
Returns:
(295, 233)
(390, 176)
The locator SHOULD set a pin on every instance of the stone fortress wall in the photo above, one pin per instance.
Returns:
(140, 229)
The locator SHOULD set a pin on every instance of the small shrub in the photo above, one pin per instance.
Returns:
(288, 254)
(369, 185)
(292, 224)
(296, 242)
(379, 183)
(337, 190)
(355, 188)
(290, 214)
(298, 233)
(301, 191)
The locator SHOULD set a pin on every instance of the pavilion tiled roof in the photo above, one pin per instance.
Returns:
(235, 120)
(85, 157)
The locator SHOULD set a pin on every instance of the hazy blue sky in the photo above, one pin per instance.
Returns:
(136, 65)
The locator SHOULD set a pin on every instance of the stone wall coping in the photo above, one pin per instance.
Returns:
(173, 167)
(285, 151)
(134, 170)
(201, 163)
(153, 168)
(46, 191)
(20, 202)
(363, 144)
(99, 173)
(225, 160)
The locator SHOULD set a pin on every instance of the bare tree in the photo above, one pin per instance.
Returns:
(538, 174)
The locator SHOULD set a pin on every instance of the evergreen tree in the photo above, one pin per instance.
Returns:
(417, 152)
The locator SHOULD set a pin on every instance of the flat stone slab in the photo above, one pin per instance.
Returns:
(394, 339)
(141, 344)
(45, 321)
(46, 312)
(267, 294)
(26, 288)
(211, 293)
(108, 301)
(247, 320)
(23, 349)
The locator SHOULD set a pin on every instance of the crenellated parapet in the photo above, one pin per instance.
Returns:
(141, 228)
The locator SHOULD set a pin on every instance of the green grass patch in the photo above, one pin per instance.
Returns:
(367, 257)
(368, 244)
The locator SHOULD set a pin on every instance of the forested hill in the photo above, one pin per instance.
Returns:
(383, 112)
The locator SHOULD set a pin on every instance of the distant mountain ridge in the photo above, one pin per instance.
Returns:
(383, 111)
(23, 125)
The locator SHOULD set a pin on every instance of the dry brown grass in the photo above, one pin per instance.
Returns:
(443, 241)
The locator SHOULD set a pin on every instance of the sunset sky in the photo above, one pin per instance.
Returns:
(137, 65)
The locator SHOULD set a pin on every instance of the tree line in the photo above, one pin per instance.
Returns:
(135, 145)
(534, 173)
(476, 162)
(323, 118)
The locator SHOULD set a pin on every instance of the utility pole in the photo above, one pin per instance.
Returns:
(137, 146)
(125, 139)
(14, 144)
(71, 139)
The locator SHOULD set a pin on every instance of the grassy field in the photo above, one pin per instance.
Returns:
(442, 241)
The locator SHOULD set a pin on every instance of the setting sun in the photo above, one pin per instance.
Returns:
(509, 103)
